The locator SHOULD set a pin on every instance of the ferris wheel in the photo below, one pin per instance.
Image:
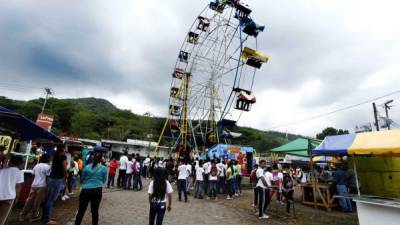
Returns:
(213, 77)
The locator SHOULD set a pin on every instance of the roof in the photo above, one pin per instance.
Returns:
(131, 142)
(300, 144)
(370, 143)
(24, 127)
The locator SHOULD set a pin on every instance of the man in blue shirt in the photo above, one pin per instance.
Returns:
(341, 188)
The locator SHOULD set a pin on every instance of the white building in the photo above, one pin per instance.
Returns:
(132, 146)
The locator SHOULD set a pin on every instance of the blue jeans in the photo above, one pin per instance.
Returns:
(231, 189)
(221, 185)
(157, 209)
(213, 189)
(137, 181)
(54, 188)
(345, 203)
(234, 185)
(182, 187)
(199, 190)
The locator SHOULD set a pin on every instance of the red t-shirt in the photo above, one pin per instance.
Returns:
(113, 167)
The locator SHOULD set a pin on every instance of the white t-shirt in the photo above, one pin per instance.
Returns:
(146, 162)
(213, 177)
(169, 190)
(41, 171)
(9, 177)
(189, 167)
(260, 173)
(183, 172)
(123, 162)
(221, 169)
(129, 169)
(207, 168)
(268, 178)
(199, 173)
(161, 164)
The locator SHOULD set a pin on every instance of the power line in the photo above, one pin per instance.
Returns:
(334, 111)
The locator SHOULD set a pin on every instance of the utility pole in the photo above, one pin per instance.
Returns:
(387, 107)
(48, 93)
(375, 116)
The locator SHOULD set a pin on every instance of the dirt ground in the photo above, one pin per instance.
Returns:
(128, 207)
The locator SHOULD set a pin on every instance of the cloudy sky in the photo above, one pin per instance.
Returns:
(324, 55)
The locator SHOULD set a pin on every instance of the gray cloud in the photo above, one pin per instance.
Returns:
(326, 52)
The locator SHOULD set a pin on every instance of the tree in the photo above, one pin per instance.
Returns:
(329, 131)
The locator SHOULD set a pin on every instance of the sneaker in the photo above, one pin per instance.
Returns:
(229, 198)
(236, 194)
(208, 198)
(66, 197)
(36, 218)
(63, 198)
(263, 217)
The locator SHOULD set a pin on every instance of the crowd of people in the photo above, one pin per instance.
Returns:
(57, 178)
(54, 178)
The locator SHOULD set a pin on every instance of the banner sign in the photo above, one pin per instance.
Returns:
(45, 121)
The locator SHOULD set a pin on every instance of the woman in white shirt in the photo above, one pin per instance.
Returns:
(159, 188)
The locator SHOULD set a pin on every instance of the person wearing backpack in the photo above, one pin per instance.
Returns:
(212, 193)
(92, 179)
(253, 181)
(288, 189)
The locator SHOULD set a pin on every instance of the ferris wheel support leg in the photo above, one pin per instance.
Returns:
(161, 135)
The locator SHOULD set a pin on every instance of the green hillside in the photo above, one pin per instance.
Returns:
(94, 118)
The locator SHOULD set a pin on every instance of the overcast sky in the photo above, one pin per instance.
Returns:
(324, 55)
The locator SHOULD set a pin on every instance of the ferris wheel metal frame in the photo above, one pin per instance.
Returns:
(214, 71)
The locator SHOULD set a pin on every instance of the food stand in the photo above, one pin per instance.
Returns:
(375, 159)
(313, 193)
(18, 131)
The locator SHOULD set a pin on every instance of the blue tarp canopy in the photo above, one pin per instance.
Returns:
(335, 145)
(99, 148)
(25, 128)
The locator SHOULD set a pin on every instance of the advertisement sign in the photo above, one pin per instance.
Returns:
(234, 149)
(5, 143)
(45, 121)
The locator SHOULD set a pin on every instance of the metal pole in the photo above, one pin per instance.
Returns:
(387, 116)
(355, 174)
(48, 92)
(375, 116)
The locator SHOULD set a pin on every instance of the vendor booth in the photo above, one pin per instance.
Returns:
(243, 154)
(17, 133)
(376, 165)
(313, 193)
